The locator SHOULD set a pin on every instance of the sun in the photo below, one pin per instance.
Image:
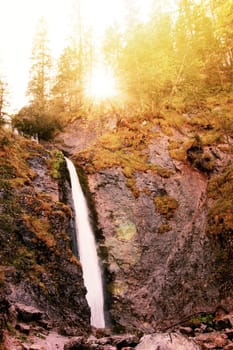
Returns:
(102, 84)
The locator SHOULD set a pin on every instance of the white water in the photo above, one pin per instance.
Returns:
(87, 251)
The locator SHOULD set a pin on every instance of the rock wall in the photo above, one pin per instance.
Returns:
(161, 264)
(38, 268)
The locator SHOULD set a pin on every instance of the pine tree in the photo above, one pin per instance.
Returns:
(38, 118)
(65, 92)
(40, 74)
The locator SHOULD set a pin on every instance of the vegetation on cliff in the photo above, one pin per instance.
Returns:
(192, 138)
(34, 233)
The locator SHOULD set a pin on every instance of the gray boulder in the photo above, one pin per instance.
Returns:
(166, 341)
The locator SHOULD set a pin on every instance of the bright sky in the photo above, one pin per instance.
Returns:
(18, 19)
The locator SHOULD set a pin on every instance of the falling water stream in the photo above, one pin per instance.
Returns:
(87, 251)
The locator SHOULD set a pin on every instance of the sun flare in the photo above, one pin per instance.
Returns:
(102, 84)
(96, 16)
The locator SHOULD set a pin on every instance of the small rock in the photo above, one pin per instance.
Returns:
(186, 330)
(101, 332)
(203, 327)
(28, 313)
(75, 344)
(36, 347)
(103, 341)
(198, 330)
(92, 342)
(45, 324)
(23, 328)
(212, 340)
(124, 340)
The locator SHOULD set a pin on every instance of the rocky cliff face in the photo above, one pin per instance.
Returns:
(161, 265)
(38, 268)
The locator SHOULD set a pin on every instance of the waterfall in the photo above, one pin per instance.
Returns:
(87, 251)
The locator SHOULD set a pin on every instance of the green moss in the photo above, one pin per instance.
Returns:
(198, 320)
(166, 205)
(57, 164)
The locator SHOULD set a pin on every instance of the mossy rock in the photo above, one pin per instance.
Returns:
(126, 231)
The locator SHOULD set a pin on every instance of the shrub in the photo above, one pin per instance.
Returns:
(31, 121)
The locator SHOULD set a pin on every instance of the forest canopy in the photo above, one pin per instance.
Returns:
(172, 60)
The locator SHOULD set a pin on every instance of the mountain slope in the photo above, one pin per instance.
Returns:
(38, 268)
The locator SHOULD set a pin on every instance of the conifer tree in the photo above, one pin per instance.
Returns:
(40, 73)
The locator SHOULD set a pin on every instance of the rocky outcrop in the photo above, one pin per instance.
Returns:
(41, 279)
(161, 264)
